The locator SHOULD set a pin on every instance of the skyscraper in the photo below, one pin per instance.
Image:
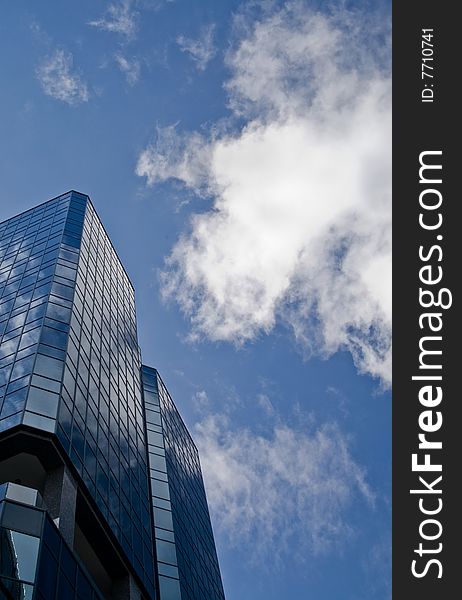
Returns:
(102, 494)
(185, 548)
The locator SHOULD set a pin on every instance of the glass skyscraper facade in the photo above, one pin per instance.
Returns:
(116, 475)
(185, 549)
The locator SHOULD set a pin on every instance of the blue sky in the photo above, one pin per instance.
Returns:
(238, 154)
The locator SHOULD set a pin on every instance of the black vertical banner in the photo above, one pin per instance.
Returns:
(427, 364)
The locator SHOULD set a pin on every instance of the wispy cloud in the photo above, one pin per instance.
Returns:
(290, 489)
(201, 401)
(377, 569)
(60, 80)
(265, 403)
(175, 156)
(202, 49)
(120, 17)
(300, 230)
(131, 68)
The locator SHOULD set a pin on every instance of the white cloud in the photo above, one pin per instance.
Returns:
(201, 50)
(288, 490)
(173, 156)
(201, 401)
(300, 230)
(119, 18)
(130, 68)
(60, 81)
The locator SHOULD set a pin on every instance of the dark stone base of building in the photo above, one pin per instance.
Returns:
(53, 539)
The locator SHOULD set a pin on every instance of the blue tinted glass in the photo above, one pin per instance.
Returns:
(163, 518)
(47, 575)
(26, 550)
(49, 367)
(14, 402)
(60, 313)
(22, 367)
(166, 552)
(42, 402)
(53, 337)
(39, 421)
(169, 588)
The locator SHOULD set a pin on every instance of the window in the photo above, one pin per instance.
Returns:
(42, 402)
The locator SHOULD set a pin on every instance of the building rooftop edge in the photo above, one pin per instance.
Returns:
(45, 202)
(89, 200)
